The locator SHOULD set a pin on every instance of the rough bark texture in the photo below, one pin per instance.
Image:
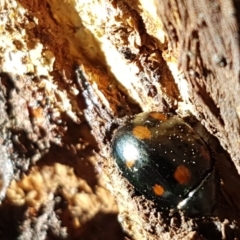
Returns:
(47, 149)
(208, 49)
(206, 34)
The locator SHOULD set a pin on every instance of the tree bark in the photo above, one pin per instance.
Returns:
(94, 64)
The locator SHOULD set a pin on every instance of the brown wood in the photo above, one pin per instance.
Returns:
(202, 35)
(206, 36)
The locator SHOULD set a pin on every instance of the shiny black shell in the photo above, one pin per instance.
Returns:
(167, 161)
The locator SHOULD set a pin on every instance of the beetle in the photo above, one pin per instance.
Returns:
(167, 161)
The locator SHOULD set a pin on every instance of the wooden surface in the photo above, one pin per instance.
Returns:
(202, 36)
(206, 36)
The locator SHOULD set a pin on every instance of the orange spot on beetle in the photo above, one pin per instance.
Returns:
(158, 190)
(182, 174)
(158, 116)
(130, 162)
(141, 132)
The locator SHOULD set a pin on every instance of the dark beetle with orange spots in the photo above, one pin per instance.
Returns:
(167, 161)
